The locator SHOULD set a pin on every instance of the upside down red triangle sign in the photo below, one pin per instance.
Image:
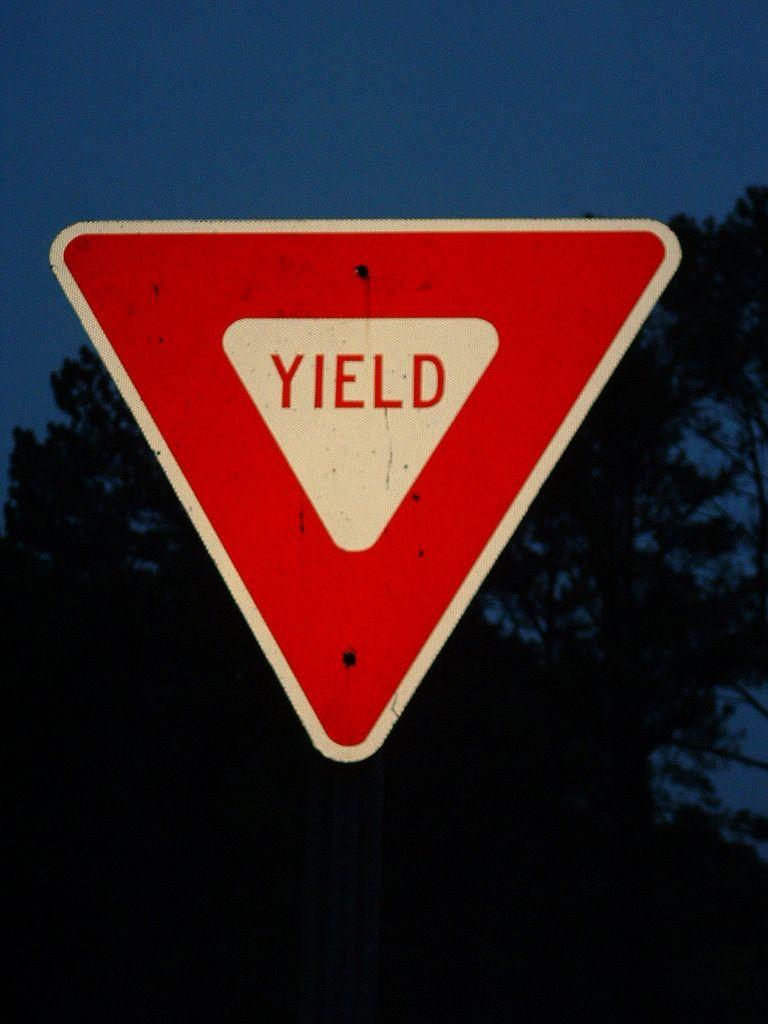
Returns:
(357, 414)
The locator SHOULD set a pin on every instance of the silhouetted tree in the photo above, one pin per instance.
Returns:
(158, 876)
(720, 329)
(644, 559)
(551, 838)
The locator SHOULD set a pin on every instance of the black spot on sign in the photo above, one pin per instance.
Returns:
(349, 658)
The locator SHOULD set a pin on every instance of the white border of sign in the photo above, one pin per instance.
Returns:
(508, 524)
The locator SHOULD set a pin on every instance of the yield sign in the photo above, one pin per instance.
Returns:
(357, 414)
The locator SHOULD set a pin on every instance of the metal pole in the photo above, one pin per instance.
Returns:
(342, 891)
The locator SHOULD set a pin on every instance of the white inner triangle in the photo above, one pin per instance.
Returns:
(356, 464)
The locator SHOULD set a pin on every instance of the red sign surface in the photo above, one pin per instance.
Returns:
(352, 588)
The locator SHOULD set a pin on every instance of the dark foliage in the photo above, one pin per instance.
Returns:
(550, 840)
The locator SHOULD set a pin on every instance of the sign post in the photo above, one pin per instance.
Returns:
(342, 894)
(357, 414)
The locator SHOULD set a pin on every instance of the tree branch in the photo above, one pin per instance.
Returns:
(702, 748)
(750, 698)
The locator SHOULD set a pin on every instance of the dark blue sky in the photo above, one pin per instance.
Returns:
(358, 109)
